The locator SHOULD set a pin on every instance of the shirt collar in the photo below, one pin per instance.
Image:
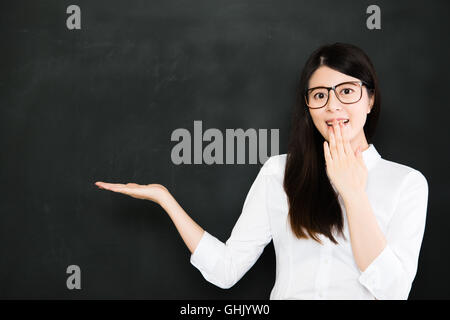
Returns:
(370, 156)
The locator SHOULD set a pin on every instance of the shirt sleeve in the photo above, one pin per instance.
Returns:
(224, 264)
(391, 274)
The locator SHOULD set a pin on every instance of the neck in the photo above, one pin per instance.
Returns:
(359, 143)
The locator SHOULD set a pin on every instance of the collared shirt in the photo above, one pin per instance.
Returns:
(305, 269)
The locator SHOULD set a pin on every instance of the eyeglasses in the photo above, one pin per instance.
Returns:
(347, 92)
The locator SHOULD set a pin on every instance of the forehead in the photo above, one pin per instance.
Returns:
(327, 77)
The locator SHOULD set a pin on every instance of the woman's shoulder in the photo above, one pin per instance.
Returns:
(395, 171)
(275, 164)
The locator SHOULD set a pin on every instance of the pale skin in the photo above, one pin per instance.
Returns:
(344, 165)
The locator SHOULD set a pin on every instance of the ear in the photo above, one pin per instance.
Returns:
(371, 101)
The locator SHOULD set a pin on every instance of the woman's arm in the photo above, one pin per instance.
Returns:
(367, 239)
(189, 230)
(222, 264)
(391, 273)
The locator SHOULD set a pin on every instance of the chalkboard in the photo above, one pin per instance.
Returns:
(98, 99)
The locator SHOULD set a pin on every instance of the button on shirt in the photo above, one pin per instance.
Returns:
(305, 269)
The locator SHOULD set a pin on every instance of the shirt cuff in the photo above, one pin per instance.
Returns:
(205, 256)
(382, 276)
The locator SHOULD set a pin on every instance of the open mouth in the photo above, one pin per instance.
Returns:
(330, 124)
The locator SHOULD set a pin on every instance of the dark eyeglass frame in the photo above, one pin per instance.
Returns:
(360, 82)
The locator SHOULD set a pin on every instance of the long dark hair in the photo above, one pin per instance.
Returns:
(313, 204)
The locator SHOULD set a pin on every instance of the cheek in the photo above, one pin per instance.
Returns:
(357, 115)
(357, 122)
(317, 121)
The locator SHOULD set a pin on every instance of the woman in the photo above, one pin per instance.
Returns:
(346, 223)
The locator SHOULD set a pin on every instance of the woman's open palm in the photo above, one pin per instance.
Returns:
(153, 192)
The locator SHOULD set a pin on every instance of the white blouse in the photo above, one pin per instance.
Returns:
(306, 269)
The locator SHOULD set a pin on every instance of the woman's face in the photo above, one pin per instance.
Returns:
(334, 109)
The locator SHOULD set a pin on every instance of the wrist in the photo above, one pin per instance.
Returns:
(165, 199)
(355, 195)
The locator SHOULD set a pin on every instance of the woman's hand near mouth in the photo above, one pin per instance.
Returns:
(345, 168)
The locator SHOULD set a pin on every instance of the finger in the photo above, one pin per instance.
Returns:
(106, 184)
(99, 184)
(109, 186)
(132, 191)
(327, 153)
(121, 189)
(132, 184)
(346, 140)
(339, 145)
(333, 150)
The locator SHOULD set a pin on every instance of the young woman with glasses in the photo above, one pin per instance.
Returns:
(345, 222)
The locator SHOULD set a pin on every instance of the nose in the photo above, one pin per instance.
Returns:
(333, 102)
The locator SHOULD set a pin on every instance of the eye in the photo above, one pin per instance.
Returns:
(347, 89)
(320, 93)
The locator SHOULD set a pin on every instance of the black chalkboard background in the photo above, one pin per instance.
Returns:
(101, 103)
